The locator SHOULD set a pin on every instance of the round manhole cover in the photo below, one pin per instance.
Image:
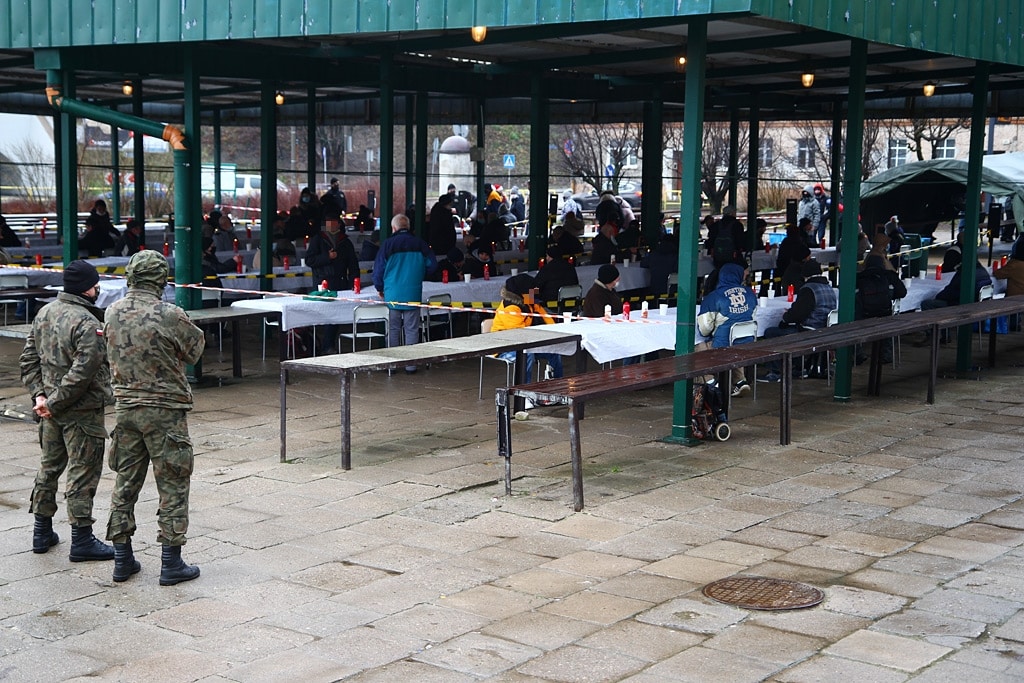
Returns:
(758, 592)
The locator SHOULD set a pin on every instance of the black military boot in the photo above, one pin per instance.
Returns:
(125, 563)
(172, 569)
(86, 548)
(43, 535)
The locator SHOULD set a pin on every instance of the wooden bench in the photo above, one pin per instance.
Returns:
(575, 391)
(346, 365)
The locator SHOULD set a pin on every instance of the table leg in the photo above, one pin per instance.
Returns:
(518, 375)
(574, 454)
(785, 399)
(346, 423)
(282, 339)
(992, 324)
(504, 435)
(933, 376)
(236, 349)
(284, 411)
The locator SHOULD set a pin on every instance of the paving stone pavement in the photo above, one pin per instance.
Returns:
(415, 566)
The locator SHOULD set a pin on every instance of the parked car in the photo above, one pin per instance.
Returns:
(628, 191)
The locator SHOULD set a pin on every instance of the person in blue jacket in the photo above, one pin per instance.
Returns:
(402, 263)
(730, 302)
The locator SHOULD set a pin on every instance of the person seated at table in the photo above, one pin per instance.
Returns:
(212, 267)
(609, 210)
(950, 296)
(452, 264)
(332, 256)
(814, 301)
(604, 246)
(602, 293)
(877, 287)
(955, 254)
(662, 262)
(753, 238)
(283, 247)
(567, 239)
(731, 302)
(794, 273)
(94, 242)
(224, 236)
(809, 233)
(516, 311)
(556, 273)
(370, 247)
(8, 238)
(479, 258)
(880, 247)
(629, 239)
(1013, 271)
(131, 241)
(99, 223)
(789, 250)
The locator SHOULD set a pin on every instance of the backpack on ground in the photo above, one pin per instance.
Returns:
(874, 296)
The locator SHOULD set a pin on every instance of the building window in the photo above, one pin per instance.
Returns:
(766, 153)
(897, 152)
(627, 154)
(806, 148)
(945, 149)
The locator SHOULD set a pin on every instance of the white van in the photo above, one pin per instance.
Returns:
(248, 185)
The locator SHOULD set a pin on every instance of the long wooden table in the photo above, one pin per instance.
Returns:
(206, 317)
(346, 365)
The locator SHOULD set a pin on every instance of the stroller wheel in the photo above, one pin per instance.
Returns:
(722, 431)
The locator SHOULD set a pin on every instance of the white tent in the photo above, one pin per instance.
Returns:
(923, 193)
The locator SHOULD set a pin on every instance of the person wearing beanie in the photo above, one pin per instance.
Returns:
(557, 272)
(810, 310)
(518, 310)
(149, 343)
(64, 367)
(602, 293)
(731, 302)
(452, 264)
(481, 254)
(441, 225)
(370, 247)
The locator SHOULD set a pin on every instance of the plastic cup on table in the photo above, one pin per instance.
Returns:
(762, 302)
(468, 277)
(662, 309)
(567, 317)
(625, 263)
(771, 292)
(515, 271)
(39, 259)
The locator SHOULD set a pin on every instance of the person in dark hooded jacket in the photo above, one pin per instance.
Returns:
(556, 273)
(731, 302)
(481, 255)
(662, 262)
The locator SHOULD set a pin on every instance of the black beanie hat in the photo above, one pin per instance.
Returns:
(455, 255)
(80, 276)
(519, 284)
(607, 274)
(810, 268)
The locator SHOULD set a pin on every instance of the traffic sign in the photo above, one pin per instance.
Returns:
(509, 160)
(609, 170)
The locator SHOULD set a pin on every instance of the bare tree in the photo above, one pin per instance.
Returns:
(589, 149)
(920, 132)
(35, 179)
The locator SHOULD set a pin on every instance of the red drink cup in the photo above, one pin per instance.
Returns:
(444, 276)
(789, 293)
(287, 264)
(938, 272)
(39, 259)
(356, 286)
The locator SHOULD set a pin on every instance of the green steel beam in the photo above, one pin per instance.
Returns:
(733, 174)
(138, 159)
(68, 171)
(422, 201)
(689, 221)
(188, 234)
(540, 132)
(653, 146)
(972, 217)
(851, 196)
(836, 177)
(115, 176)
(386, 200)
(311, 152)
(268, 179)
(410, 165)
(217, 189)
(753, 168)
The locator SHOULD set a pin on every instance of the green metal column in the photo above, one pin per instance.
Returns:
(139, 159)
(540, 136)
(188, 233)
(689, 219)
(753, 169)
(311, 151)
(410, 176)
(837, 168)
(217, 189)
(386, 199)
(481, 166)
(69, 176)
(973, 210)
(734, 155)
(851, 193)
(268, 166)
(58, 156)
(422, 201)
(653, 160)
(115, 176)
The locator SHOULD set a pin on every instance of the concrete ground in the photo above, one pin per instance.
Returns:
(415, 566)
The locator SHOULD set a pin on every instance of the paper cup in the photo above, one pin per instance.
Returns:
(762, 302)
(663, 309)
(515, 271)
(567, 317)
(625, 264)
(468, 277)
(771, 293)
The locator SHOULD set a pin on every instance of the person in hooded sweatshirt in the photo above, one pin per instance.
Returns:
(731, 302)
(556, 273)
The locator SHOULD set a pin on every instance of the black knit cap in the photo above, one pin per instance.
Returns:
(607, 274)
(519, 284)
(80, 276)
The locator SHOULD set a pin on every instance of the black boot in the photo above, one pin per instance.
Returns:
(125, 563)
(172, 569)
(85, 547)
(43, 535)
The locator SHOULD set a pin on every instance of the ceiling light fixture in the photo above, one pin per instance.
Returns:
(279, 98)
(929, 89)
(478, 33)
(680, 63)
(127, 88)
(807, 79)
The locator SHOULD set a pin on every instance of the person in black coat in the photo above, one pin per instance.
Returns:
(556, 273)
(332, 256)
(441, 229)
(662, 262)
(8, 238)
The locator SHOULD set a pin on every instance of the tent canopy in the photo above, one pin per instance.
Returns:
(925, 193)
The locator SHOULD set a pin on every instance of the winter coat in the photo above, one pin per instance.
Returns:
(402, 263)
(732, 300)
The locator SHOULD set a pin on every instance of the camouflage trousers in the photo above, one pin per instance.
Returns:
(73, 442)
(142, 435)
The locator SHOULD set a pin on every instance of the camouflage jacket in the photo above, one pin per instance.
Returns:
(149, 342)
(65, 356)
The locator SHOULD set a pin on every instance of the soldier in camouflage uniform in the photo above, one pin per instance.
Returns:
(149, 342)
(64, 366)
